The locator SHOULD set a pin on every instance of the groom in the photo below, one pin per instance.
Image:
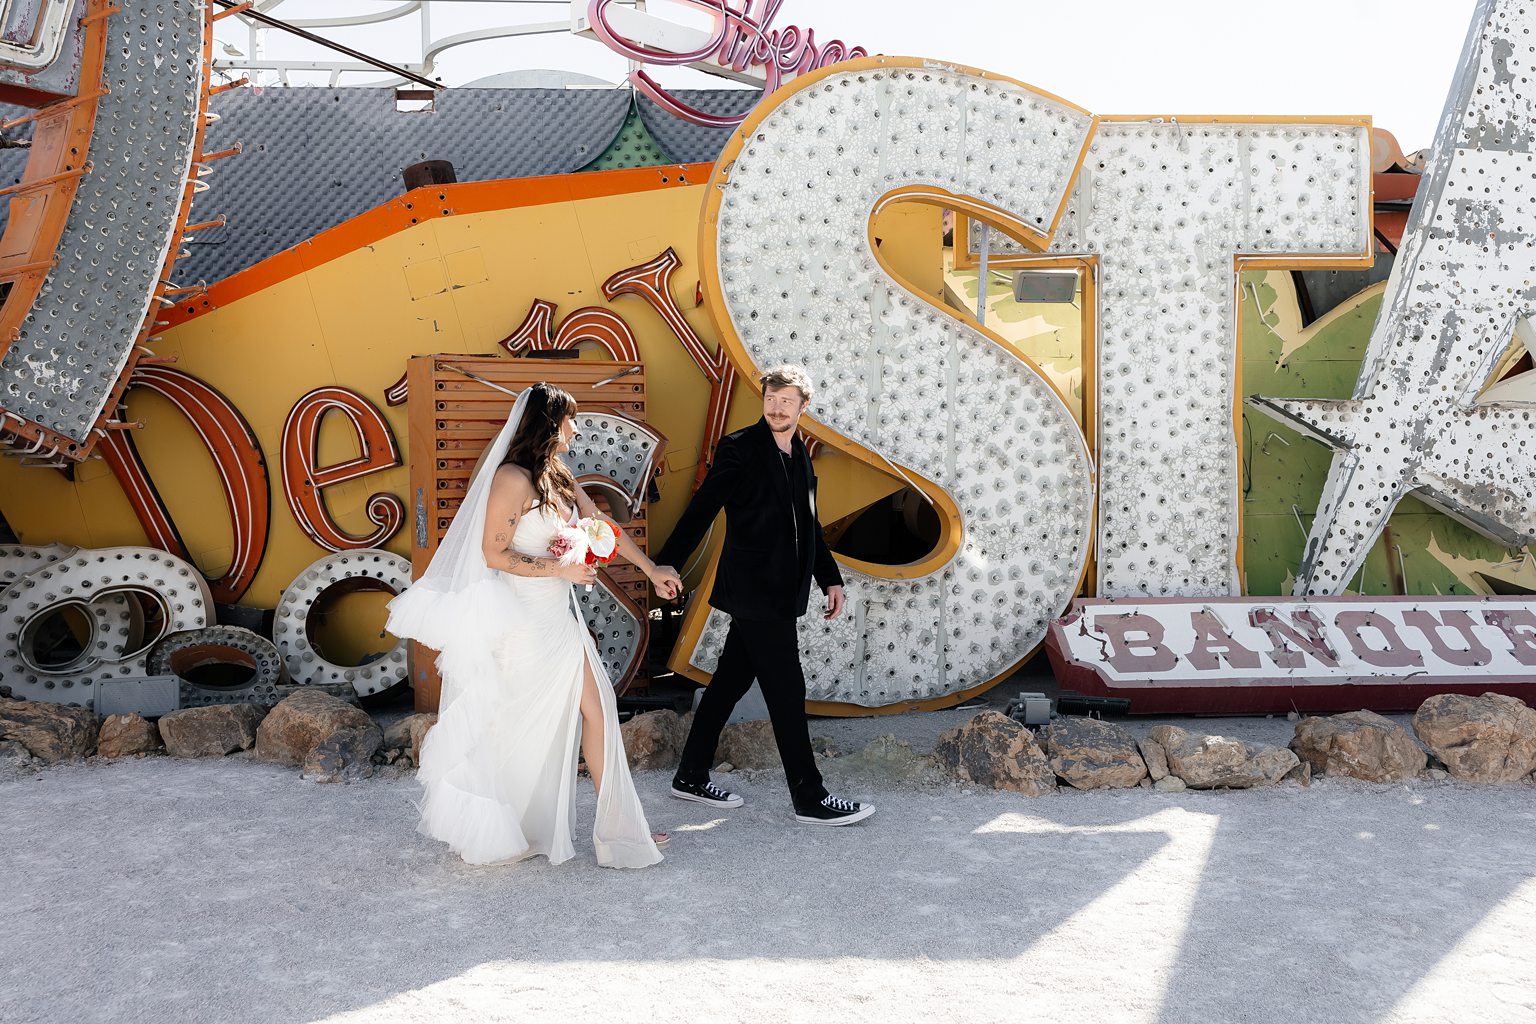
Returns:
(763, 479)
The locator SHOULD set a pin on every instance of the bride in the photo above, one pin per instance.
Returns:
(521, 675)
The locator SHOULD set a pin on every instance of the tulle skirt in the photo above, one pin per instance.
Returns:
(498, 770)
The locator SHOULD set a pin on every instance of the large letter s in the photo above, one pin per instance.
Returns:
(793, 276)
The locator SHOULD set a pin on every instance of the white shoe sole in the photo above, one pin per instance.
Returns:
(734, 801)
(849, 819)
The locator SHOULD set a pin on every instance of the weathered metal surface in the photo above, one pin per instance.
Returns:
(77, 341)
(1167, 207)
(1465, 276)
(1274, 655)
(41, 44)
(113, 587)
(367, 569)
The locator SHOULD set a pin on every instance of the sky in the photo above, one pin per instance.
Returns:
(1390, 59)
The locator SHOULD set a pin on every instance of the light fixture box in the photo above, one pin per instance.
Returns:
(149, 696)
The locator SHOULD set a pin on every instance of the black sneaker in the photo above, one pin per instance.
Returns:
(834, 811)
(704, 793)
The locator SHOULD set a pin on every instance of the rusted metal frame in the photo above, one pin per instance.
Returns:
(37, 183)
(234, 9)
(83, 98)
(101, 15)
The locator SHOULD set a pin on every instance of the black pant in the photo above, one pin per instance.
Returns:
(769, 651)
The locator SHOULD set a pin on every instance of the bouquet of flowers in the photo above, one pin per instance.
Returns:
(589, 541)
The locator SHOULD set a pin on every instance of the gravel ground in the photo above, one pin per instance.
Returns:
(230, 891)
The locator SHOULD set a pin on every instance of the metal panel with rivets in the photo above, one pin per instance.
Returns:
(1465, 276)
(114, 587)
(329, 577)
(76, 342)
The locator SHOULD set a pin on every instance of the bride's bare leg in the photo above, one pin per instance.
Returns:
(593, 727)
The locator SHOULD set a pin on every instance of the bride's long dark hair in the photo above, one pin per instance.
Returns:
(536, 445)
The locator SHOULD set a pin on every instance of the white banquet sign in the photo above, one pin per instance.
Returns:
(1274, 654)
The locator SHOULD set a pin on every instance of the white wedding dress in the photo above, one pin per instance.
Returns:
(499, 768)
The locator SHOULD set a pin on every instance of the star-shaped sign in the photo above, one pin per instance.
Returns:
(1464, 277)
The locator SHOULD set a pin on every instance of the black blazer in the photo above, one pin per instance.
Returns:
(759, 575)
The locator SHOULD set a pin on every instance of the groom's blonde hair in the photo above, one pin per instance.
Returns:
(788, 375)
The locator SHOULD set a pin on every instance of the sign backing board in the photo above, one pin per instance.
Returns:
(1271, 655)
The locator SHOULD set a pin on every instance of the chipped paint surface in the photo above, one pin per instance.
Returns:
(1466, 274)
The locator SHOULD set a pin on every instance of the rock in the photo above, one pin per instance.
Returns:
(995, 751)
(725, 767)
(1361, 745)
(402, 740)
(1212, 762)
(822, 746)
(888, 761)
(1274, 763)
(1437, 774)
(1301, 775)
(303, 721)
(50, 732)
(654, 741)
(749, 745)
(127, 735)
(1491, 738)
(1090, 754)
(420, 725)
(1291, 716)
(397, 734)
(13, 756)
(211, 731)
(1156, 758)
(1146, 783)
(345, 754)
(1170, 784)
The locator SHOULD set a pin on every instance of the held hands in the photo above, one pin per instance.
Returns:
(584, 574)
(667, 582)
(834, 602)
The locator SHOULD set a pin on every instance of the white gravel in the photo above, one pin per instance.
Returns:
(229, 891)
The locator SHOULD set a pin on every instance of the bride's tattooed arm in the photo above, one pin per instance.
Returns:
(511, 495)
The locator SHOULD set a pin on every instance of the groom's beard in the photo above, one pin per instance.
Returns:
(785, 426)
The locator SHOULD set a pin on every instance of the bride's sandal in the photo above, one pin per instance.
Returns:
(661, 839)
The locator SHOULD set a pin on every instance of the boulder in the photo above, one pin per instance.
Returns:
(402, 739)
(1087, 753)
(211, 731)
(1218, 762)
(1491, 738)
(654, 741)
(420, 725)
(344, 755)
(1156, 758)
(889, 761)
(50, 732)
(304, 720)
(749, 745)
(995, 751)
(1361, 745)
(1274, 764)
(14, 756)
(127, 735)
(1170, 784)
